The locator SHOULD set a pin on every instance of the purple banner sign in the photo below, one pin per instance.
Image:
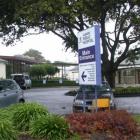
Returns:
(87, 54)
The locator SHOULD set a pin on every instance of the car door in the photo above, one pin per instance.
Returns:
(13, 92)
(11, 97)
(9, 94)
(3, 99)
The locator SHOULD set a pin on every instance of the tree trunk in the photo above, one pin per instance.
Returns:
(110, 77)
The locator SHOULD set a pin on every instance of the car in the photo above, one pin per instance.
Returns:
(103, 91)
(10, 93)
(23, 80)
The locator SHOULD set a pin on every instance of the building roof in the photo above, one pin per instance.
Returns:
(19, 58)
(127, 64)
(3, 61)
(58, 63)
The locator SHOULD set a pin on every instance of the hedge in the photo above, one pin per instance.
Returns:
(52, 83)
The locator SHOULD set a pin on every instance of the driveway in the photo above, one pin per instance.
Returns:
(58, 103)
(131, 104)
(53, 98)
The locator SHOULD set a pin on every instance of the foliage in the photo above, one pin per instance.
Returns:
(41, 70)
(127, 91)
(51, 127)
(52, 83)
(50, 69)
(114, 123)
(66, 18)
(36, 55)
(137, 118)
(37, 71)
(7, 112)
(26, 113)
(7, 132)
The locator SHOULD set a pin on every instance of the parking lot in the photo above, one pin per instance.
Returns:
(58, 103)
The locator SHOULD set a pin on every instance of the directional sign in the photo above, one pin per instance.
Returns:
(83, 76)
(89, 56)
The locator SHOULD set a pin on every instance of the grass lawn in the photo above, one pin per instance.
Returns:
(137, 118)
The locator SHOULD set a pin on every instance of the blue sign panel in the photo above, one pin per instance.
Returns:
(87, 54)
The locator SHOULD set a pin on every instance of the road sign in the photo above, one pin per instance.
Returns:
(89, 56)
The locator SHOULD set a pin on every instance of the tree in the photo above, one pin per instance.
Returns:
(10, 28)
(50, 69)
(36, 54)
(37, 71)
(68, 17)
(41, 70)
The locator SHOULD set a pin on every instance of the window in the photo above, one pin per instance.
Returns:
(128, 72)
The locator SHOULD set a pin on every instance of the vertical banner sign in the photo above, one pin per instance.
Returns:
(89, 56)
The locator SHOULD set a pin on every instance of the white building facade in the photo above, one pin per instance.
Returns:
(2, 69)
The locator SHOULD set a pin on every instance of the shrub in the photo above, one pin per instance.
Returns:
(7, 132)
(52, 83)
(7, 112)
(129, 91)
(117, 123)
(27, 112)
(51, 127)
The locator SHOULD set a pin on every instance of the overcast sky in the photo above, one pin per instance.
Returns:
(49, 45)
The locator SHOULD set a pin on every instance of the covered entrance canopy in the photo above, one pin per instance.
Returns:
(63, 65)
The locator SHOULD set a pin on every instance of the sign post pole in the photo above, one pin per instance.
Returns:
(84, 104)
(96, 98)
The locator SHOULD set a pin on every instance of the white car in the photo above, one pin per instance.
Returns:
(23, 80)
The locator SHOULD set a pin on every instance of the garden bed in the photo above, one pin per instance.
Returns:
(33, 122)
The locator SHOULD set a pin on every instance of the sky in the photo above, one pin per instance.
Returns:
(50, 45)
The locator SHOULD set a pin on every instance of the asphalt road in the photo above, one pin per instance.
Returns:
(58, 103)
(53, 98)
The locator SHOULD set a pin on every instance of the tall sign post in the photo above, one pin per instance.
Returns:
(89, 58)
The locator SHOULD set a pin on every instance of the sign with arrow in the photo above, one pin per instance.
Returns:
(89, 56)
(83, 76)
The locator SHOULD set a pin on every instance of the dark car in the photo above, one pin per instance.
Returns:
(102, 91)
(23, 80)
(10, 93)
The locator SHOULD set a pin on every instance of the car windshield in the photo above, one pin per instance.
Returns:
(7, 85)
(90, 91)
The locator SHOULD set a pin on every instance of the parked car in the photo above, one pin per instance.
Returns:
(23, 80)
(10, 93)
(103, 92)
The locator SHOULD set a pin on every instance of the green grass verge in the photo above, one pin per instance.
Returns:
(137, 118)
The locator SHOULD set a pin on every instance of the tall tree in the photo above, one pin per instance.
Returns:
(36, 54)
(67, 17)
